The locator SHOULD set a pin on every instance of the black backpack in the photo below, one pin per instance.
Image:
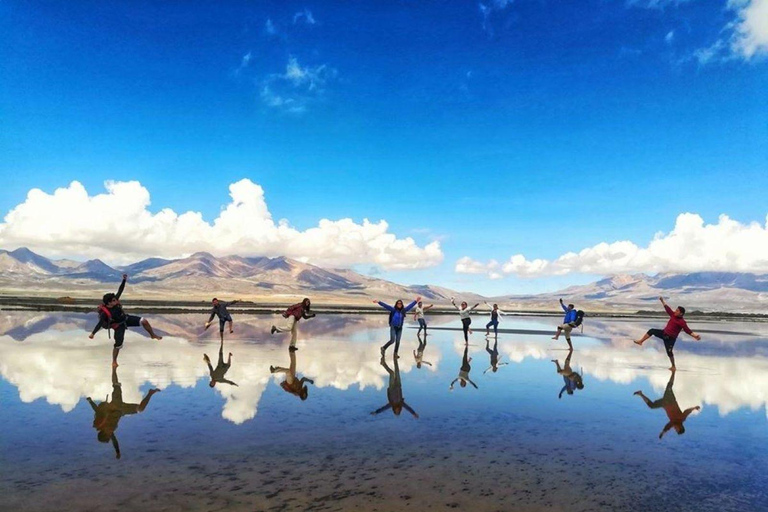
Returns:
(579, 318)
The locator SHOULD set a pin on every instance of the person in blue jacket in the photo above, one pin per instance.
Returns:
(396, 320)
(568, 323)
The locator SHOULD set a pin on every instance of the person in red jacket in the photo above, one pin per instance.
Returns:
(671, 331)
(292, 316)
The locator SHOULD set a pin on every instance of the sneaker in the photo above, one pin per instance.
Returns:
(292, 348)
(274, 330)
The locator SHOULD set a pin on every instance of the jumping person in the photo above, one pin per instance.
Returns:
(217, 375)
(107, 414)
(571, 379)
(669, 403)
(671, 331)
(291, 384)
(292, 316)
(495, 357)
(396, 319)
(495, 314)
(464, 313)
(220, 309)
(569, 322)
(418, 315)
(112, 316)
(418, 354)
(464, 370)
(395, 400)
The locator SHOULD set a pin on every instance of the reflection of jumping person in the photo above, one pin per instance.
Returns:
(669, 403)
(571, 379)
(464, 313)
(464, 371)
(495, 314)
(495, 357)
(292, 316)
(220, 309)
(107, 414)
(418, 354)
(396, 319)
(395, 400)
(112, 316)
(418, 315)
(291, 384)
(671, 331)
(569, 322)
(217, 375)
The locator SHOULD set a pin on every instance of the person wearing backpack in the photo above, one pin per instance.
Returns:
(112, 316)
(571, 319)
(397, 314)
(292, 316)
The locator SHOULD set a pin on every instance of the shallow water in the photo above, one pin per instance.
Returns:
(510, 444)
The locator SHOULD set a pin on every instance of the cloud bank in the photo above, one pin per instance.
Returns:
(746, 37)
(692, 246)
(118, 227)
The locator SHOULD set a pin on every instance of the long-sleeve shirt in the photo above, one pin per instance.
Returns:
(297, 311)
(496, 313)
(397, 316)
(221, 310)
(118, 315)
(675, 324)
(570, 314)
(463, 313)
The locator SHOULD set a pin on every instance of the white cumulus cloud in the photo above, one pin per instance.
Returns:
(118, 227)
(692, 246)
(746, 37)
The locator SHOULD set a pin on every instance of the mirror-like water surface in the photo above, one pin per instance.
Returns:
(333, 426)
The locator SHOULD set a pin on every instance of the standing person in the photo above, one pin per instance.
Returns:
(418, 354)
(220, 309)
(396, 319)
(669, 403)
(464, 313)
(569, 322)
(418, 315)
(395, 399)
(292, 384)
(217, 375)
(495, 314)
(571, 379)
(671, 331)
(495, 357)
(464, 370)
(292, 316)
(112, 316)
(107, 414)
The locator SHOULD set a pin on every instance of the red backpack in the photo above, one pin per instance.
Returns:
(109, 323)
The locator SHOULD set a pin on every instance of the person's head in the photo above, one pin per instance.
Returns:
(463, 305)
(418, 365)
(495, 306)
(680, 312)
(306, 303)
(679, 428)
(397, 409)
(570, 307)
(215, 301)
(495, 369)
(109, 299)
(212, 383)
(103, 436)
(304, 393)
(463, 383)
(578, 381)
(399, 304)
(420, 303)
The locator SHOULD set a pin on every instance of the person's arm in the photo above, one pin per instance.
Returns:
(690, 410)
(122, 286)
(233, 302)
(470, 381)
(307, 316)
(562, 391)
(410, 306)
(93, 404)
(486, 371)
(96, 329)
(665, 429)
(384, 305)
(452, 383)
(408, 408)
(473, 307)
(689, 332)
(381, 409)
(210, 318)
(562, 305)
(453, 301)
(304, 379)
(428, 307)
(426, 362)
(225, 381)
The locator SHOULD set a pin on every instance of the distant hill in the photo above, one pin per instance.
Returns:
(201, 276)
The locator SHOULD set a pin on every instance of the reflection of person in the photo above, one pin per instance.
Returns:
(568, 323)
(418, 354)
(292, 316)
(397, 315)
(220, 309)
(107, 414)
(494, 354)
(571, 379)
(463, 377)
(464, 313)
(217, 375)
(112, 316)
(291, 384)
(495, 314)
(669, 334)
(395, 399)
(669, 403)
(418, 315)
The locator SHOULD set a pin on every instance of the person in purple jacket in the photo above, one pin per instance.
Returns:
(397, 314)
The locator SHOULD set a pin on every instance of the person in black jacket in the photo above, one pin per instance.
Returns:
(112, 316)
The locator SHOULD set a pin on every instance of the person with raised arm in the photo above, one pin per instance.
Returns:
(292, 315)
(464, 314)
(397, 314)
(669, 334)
(569, 322)
(112, 317)
(418, 354)
(495, 357)
(292, 384)
(496, 313)
(463, 377)
(395, 399)
(217, 374)
(669, 403)
(572, 380)
(219, 309)
(418, 315)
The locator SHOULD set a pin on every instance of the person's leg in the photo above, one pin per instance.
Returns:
(496, 328)
(231, 329)
(465, 328)
(391, 339)
(567, 332)
(669, 345)
(557, 334)
(148, 328)
(398, 334)
(286, 325)
(294, 332)
(119, 337)
(651, 332)
(488, 328)
(425, 326)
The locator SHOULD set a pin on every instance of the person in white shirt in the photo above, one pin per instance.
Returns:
(418, 315)
(464, 313)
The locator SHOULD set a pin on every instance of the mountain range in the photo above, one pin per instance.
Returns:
(202, 275)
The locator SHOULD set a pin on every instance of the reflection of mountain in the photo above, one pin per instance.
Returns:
(199, 275)
(706, 291)
(61, 365)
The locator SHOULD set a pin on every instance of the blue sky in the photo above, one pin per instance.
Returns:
(530, 127)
